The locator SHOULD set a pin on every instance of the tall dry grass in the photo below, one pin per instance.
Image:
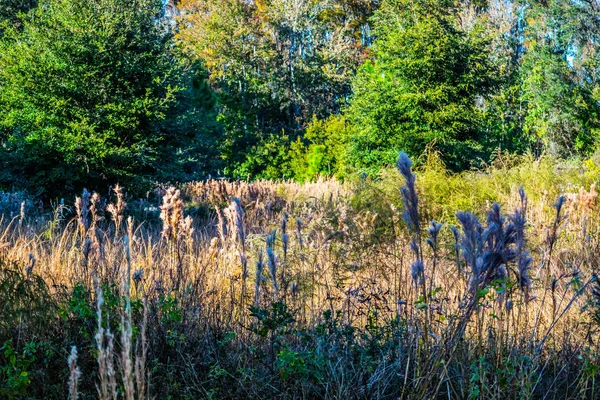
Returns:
(259, 290)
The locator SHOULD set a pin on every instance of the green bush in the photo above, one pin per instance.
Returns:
(322, 151)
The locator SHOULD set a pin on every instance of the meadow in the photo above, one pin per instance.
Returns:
(229, 289)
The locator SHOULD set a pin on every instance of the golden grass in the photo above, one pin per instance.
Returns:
(344, 248)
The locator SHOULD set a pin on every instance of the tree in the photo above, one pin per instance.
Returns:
(426, 84)
(92, 93)
(561, 117)
(559, 76)
(274, 64)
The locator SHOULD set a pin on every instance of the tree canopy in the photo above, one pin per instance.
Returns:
(92, 93)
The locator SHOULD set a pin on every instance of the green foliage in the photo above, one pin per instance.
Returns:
(11, 10)
(14, 374)
(274, 64)
(442, 193)
(93, 94)
(271, 321)
(267, 159)
(24, 301)
(422, 87)
(323, 150)
(561, 116)
(170, 310)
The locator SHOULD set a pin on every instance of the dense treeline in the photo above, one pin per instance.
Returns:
(94, 92)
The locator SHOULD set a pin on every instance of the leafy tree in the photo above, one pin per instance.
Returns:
(92, 93)
(426, 84)
(274, 64)
(560, 116)
(559, 77)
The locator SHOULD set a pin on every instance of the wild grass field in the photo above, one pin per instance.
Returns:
(227, 289)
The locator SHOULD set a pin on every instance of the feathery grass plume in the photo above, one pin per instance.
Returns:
(272, 258)
(221, 226)
(236, 221)
(75, 374)
(432, 241)
(519, 221)
(235, 218)
(130, 227)
(213, 248)
(127, 274)
(234, 215)
(85, 250)
(171, 212)
(260, 266)
(186, 232)
(488, 251)
(285, 238)
(418, 272)
(495, 223)
(60, 212)
(105, 351)
(101, 354)
(299, 233)
(31, 265)
(22, 213)
(127, 328)
(523, 198)
(116, 209)
(96, 246)
(82, 205)
(110, 364)
(471, 241)
(95, 209)
(185, 227)
(499, 238)
(434, 231)
(409, 194)
(411, 216)
(284, 223)
(95, 233)
(456, 235)
(552, 234)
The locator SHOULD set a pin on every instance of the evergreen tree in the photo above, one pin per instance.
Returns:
(92, 94)
(426, 85)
